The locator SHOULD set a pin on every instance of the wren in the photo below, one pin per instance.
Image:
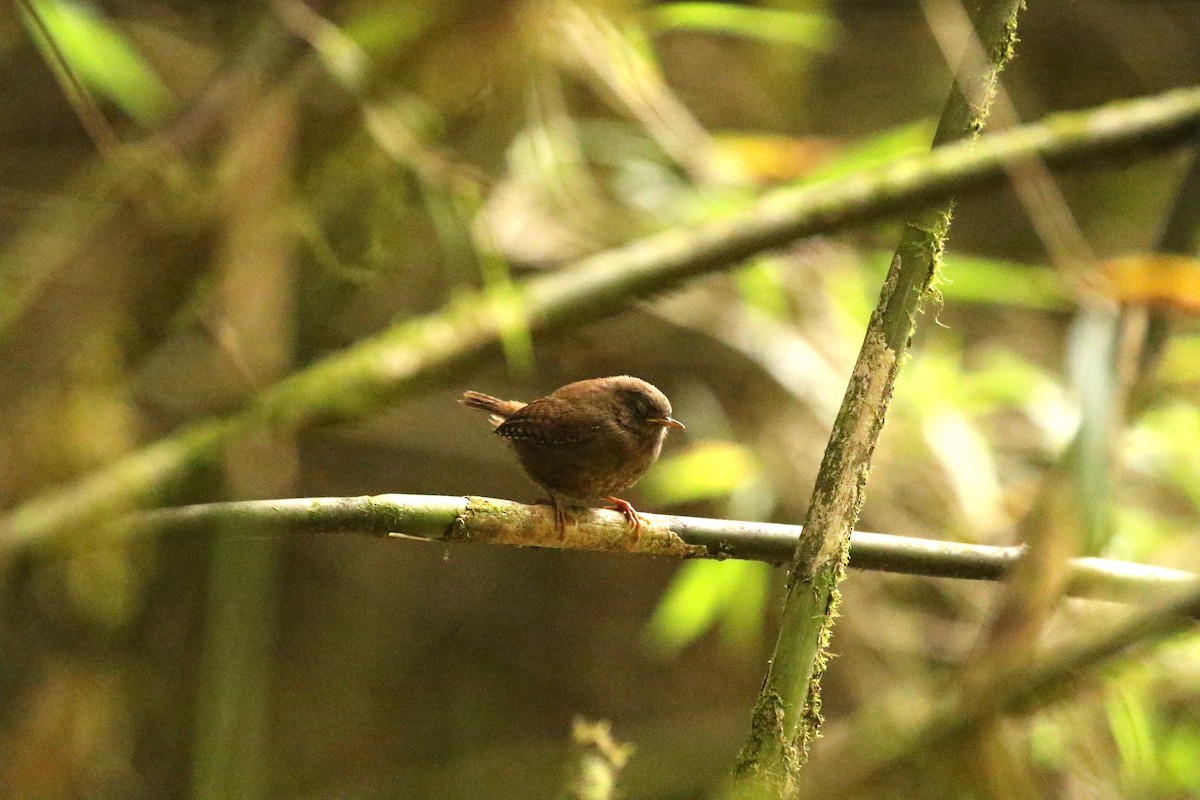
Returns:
(589, 439)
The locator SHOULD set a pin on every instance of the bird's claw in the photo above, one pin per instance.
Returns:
(562, 516)
(560, 521)
(630, 513)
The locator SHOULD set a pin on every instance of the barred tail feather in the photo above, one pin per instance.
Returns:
(499, 410)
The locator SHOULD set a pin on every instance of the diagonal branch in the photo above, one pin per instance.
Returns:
(400, 361)
(787, 715)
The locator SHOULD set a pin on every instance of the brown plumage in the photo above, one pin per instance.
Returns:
(589, 439)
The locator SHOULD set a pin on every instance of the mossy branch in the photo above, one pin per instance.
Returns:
(787, 716)
(414, 354)
(483, 520)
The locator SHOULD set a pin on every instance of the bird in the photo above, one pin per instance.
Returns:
(587, 440)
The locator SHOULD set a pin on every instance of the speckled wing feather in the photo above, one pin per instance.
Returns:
(551, 421)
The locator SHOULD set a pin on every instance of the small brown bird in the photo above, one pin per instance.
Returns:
(589, 439)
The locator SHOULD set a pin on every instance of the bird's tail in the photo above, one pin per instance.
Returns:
(499, 410)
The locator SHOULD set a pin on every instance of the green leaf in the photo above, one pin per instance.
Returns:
(100, 55)
(707, 470)
(906, 140)
(968, 279)
(1181, 754)
(1181, 360)
(995, 281)
(810, 29)
(704, 594)
(761, 286)
(1129, 720)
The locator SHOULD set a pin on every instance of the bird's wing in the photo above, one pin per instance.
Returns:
(551, 421)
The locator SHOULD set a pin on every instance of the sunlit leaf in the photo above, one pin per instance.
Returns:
(387, 27)
(102, 57)
(773, 157)
(1155, 279)
(809, 29)
(705, 594)
(1181, 360)
(1004, 378)
(912, 139)
(508, 305)
(688, 607)
(704, 471)
(742, 613)
(506, 298)
(1137, 533)
(1180, 755)
(1129, 722)
(970, 279)
(1167, 440)
(761, 286)
(852, 293)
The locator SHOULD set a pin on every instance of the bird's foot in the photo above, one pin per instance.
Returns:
(630, 513)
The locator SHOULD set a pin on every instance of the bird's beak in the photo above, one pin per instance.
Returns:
(669, 422)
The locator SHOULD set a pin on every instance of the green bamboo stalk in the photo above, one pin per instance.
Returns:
(787, 716)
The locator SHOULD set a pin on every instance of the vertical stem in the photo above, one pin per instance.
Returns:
(787, 716)
(256, 329)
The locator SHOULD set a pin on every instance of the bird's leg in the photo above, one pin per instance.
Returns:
(561, 515)
(560, 518)
(629, 512)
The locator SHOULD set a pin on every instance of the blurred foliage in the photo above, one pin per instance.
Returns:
(708, 470)
(989, 280)
(1155, 279)
(705, 595)
(814, 29)
(196, 199)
